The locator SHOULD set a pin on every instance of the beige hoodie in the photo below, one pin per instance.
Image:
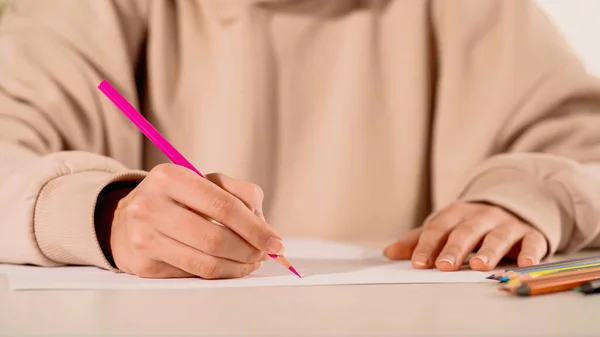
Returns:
(358, 118)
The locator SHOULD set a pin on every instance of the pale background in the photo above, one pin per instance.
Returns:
(580, 22)
(323, 311)
(578, 19)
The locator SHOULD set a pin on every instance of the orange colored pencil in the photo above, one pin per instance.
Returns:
(553, 285)
(523, 279)
(558, 273)
(542, 266)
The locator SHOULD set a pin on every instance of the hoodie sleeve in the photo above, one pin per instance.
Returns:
(521, 112)
(54, 157)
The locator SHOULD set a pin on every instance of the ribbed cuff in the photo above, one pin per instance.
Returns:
(64, 217)
(538, 202)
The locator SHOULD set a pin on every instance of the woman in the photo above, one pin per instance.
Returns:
(443, 128)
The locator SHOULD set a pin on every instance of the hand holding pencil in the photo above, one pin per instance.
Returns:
(179, 223)
(161, 228)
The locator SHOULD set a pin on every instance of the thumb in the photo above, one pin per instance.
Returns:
(404, 247)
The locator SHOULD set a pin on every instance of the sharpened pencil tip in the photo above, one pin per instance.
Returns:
(491, 277)
(293, 270)
(523, 291)
(586, 288)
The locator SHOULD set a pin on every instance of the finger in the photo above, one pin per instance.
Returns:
(496, 244)
(434, 235)
(463, 239)
(199, 263)
(206, 198)
(403, 248)
(158, 269)
(533, 248)
(250, 194)
(195, 231)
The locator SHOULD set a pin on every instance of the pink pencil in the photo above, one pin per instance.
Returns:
(169, 150)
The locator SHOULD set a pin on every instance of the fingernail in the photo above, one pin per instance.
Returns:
(386, 251)
(448, 259)
(265, 257)
(482, 258)
(421, 260)
(275, 246)
(528, 261)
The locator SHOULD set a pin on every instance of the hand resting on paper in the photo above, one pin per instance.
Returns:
(159, 229)
(451, 235)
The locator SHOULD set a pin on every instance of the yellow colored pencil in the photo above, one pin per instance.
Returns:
(552, 271)
(524, 280)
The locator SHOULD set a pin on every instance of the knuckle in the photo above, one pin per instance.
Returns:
(162, 174)
(434, 232)
(223, 205)
(495, 212)
(453, 213)
(213, 241)
(207, 268)
(138, 208)
(141, 239)
(435, 219)
(253, 256)
(442, 221)
(425, 247)
(463, 232)
(498, 236)
(258, 232)
(162, 171)
(435, 225)
(245, 270)
(457, 207)
(257, 191)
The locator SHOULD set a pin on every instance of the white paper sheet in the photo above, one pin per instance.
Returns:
(319, 262)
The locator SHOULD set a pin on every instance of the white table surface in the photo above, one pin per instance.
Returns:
(378, 310)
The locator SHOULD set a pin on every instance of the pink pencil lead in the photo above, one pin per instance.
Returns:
(293, 270)
(283, 261)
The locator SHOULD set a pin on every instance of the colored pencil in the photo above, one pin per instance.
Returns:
(557, 273)
(283, 261)
(530, 278)
(549, 271)
(500, 273)
(590, 287)
(511, 274)
(553, 285)
(161, 142)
